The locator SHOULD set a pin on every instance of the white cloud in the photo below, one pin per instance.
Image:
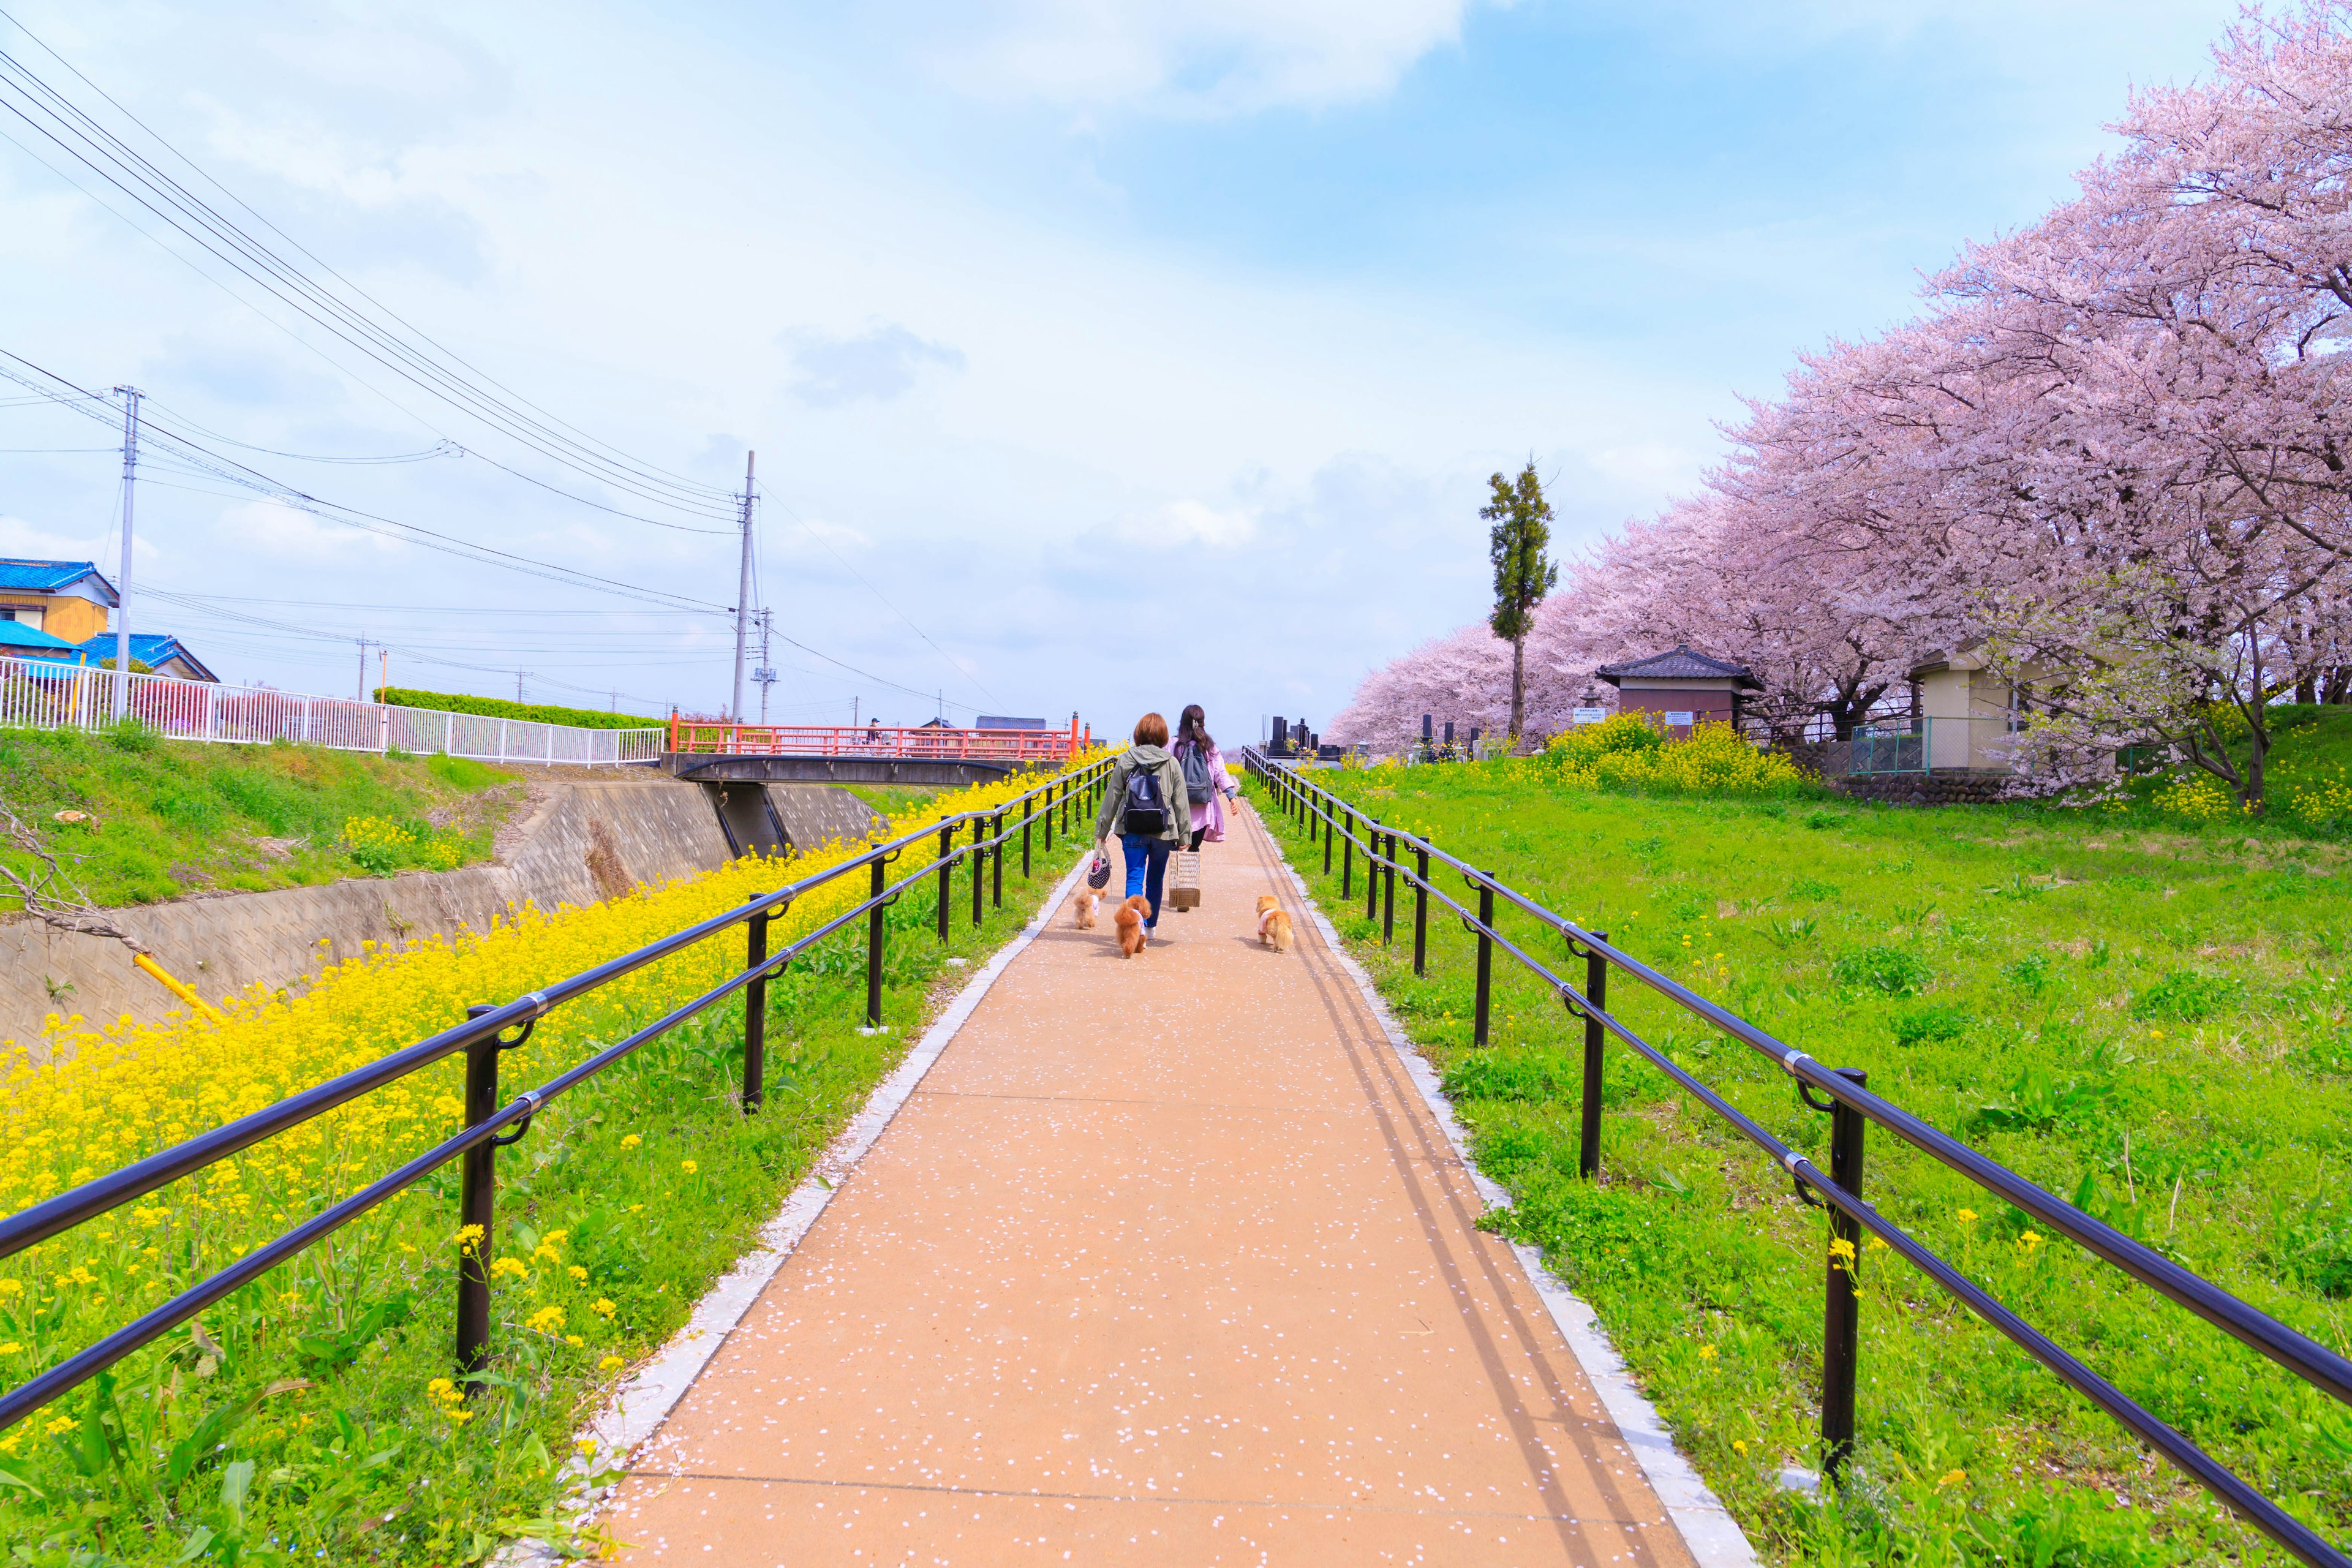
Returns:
(1188, 522)
(29, 540)
(1211, 58)
(269, 531)
(880, 363)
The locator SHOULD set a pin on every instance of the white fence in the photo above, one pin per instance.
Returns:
(46, 694)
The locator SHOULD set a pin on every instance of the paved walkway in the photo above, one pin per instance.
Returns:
(1166, 1261)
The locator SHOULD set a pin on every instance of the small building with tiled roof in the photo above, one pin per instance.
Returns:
(158, 651)
(22, 639)
(67, 599)
(1682, 687)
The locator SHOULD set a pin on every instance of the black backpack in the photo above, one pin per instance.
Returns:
(1147, 806)
(1198, 782)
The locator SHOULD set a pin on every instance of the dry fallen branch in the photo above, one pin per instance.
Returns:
(48, 894)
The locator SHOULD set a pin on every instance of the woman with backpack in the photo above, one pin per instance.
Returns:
(1144, 804)
(1206, 783)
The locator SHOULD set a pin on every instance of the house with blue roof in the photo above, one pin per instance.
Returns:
(67, 599)
(158, 651)
(59, 609)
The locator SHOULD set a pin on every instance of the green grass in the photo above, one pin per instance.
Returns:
(165, 818)
(300, 1425)
(2148, 1019)
(895, 800)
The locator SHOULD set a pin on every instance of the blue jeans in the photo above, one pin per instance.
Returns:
(1147, 866)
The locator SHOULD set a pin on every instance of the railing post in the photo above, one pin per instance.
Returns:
(1841, 1311)
(1028, 813)
(979, 864)
(1486, 961)
(476, 1200)
(1421, 911)
(1052, 791)
(996, 863)
(874, 952)
(1596, 992)
(1346, 857)
(947, 870)
(755, 1011)
(1330, 825)
(1371, 869)
(1388, 893)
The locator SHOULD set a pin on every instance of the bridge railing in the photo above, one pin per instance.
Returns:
(874, 743)
(1067, 801)
(1391, 854)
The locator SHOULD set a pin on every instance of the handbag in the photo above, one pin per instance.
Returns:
(1184, 880)
(1099, 874)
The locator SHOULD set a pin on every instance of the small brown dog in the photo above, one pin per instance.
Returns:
(1273, 925)
(1083, 904)
(1130, 920)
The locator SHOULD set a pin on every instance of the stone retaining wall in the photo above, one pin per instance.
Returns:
(572, 843)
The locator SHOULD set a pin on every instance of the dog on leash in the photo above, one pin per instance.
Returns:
(1083, 904)
(1130, 920)
(1273, 925)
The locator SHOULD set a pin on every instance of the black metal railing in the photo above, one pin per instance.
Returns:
(490, 1124)
(1844, 1095)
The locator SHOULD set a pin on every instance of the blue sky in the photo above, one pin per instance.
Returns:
(1136, 354)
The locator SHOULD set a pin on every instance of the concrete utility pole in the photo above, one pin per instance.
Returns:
(361, 695)
(743, 593)
(766, 674)
(130, 396)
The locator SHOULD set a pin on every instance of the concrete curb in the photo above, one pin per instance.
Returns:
(636, 1409)
(1714, 1537)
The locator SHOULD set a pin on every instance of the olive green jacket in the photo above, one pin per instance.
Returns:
(1171, 790)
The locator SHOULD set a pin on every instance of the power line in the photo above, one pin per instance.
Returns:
(254, 480)
(89, 403)
(407, 352)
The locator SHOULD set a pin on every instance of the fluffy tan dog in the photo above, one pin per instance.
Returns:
(1273, 925)
(1130, 920)
(1083, 905)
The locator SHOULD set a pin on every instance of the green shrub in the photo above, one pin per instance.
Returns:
(1919, 1025)
(499, 708)
(1894, 971)
(1514, 1075)
(2188, 995)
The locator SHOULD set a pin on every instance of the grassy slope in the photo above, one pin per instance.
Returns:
(2156, 1019)
(172, 817)
(657, 1185)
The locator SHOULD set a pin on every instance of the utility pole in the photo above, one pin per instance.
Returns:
(518, 675)
(131, 395)
(384, 669)
(766, 674)
(361, 695)
(743, 593)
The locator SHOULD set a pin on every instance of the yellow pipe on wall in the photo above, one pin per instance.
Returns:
(182, 992)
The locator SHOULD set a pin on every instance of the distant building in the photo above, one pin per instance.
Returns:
(1681, 688)
(59, 609)
(67, 599)
(158, 651)
(998, 721)
(23, 639)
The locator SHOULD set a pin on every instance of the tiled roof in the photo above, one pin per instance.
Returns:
(52, 577)
(1680, 665)
(150, 649)
(18, 640)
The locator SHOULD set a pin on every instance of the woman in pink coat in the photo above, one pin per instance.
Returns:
(1198, 755)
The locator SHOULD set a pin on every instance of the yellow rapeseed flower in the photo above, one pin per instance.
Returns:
(630, 1141)
(1967, 1217)
(1952, 1478)
(610, 1363)
(688, 1166)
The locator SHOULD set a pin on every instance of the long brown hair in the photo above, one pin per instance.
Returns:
(1195, 727)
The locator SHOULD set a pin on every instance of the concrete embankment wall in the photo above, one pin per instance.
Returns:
(571, 842)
